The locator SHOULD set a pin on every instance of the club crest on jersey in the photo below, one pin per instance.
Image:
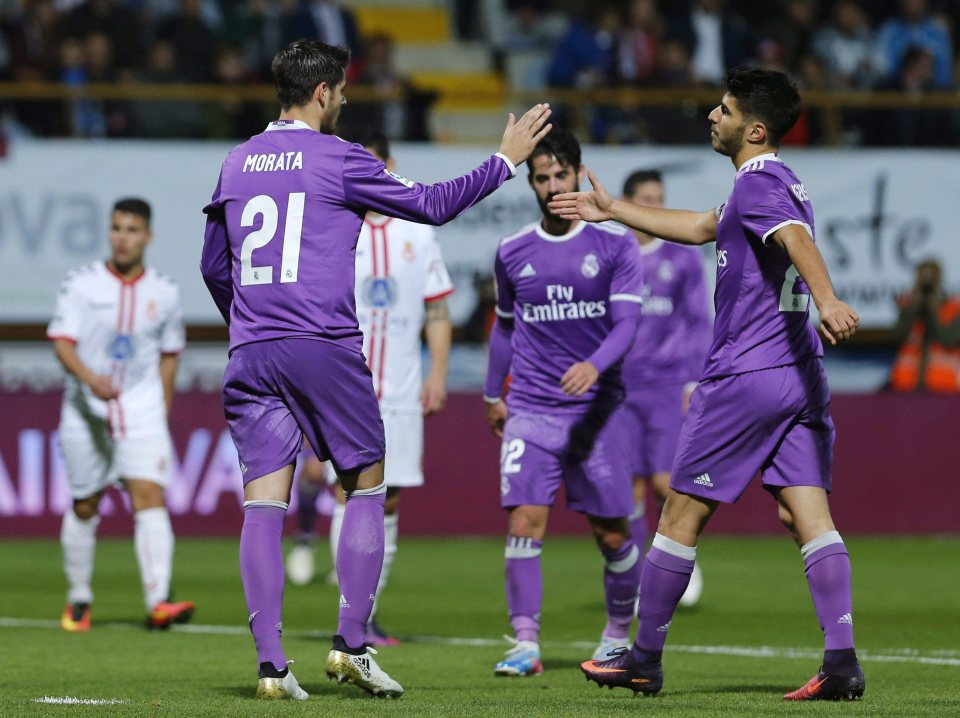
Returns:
(151, 310)
(665, 271)
(408, 252)
(379, 292)
(121, 347)
(590, 267)
(402, 180)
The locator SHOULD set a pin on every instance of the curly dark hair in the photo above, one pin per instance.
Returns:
(559, 143)
(302, 65)
(765, 95)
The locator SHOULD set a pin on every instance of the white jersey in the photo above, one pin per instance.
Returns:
(120, 329)
(399, 267)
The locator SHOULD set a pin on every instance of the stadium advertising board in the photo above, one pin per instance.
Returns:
(878, 212)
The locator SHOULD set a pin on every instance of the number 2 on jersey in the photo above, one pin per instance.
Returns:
(790, 302)
(264, 205)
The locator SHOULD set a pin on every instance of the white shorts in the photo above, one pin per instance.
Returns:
(95, 461)
(403, 464)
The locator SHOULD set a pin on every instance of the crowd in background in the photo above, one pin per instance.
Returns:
(905, 45)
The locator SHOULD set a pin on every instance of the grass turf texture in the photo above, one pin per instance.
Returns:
(906, 596)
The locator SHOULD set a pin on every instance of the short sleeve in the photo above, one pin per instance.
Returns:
(765, 205)
(438, 284)
(504, 289)
(626, 283)
(68, 316)
(173, 339)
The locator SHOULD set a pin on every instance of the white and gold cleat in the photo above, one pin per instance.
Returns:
(360, 670)
(280, 687)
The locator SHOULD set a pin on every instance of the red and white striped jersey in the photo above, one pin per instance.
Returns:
(399, 268)
(120, 329)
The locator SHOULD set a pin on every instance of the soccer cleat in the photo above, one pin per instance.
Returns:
(348, 666)
(376, 636)
(827, 687)
(301, 567)
(76, 618)
(621, 671)
(694, 588)
(522, 659)
(166, 613)
(608, 646)
(279, 685)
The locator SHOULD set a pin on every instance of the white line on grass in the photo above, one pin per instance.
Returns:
(890, 655)
(71, 701)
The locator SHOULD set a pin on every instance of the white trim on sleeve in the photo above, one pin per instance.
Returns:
(784, 224)
(636, 299)
(500, 313)
(512, 167)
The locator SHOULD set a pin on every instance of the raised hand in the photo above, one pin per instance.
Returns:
(522, 135)
(838, 321)
(592, 206)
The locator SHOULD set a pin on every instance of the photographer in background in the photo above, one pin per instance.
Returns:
(928, 331)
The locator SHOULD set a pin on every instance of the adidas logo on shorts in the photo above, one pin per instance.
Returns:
(703, 480)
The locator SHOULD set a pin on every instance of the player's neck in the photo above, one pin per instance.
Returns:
(748, 152)
(304, 114)
(556, 226)
(128, 273)
(643, 239)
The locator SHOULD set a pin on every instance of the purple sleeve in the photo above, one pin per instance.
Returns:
(368, 185)
(626, 284)
(618, 341)
(215, 259)
(766, 205)
(697, 312)
(503, 289)
(500, 356)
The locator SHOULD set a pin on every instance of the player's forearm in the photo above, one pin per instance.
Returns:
(616, 344)
(674, 225)
(499, 358)
(168, 374)
(810, 265)
(67, 355)
(439, 334)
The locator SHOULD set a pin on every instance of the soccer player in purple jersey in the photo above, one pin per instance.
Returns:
(278, 259)
(762, 404)
(662, 368)
(568, 304)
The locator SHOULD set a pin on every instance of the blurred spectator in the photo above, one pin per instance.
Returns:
(234, 118)
(848, 47)
(254, 26)
(524, 35)
(34, 41)
(716, 37)
(586, 56)
(325, 20)
(673, 64)
(928, 330)
(115, 20)
(476, 330)
(917, 27)
(639, 43)
(793, 30)
(192, 40)
(401, 109)
(165, 118)
(919, 125)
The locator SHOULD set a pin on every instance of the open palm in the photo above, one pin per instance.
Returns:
(589, 206)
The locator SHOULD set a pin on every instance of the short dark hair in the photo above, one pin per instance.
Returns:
(133, 205)
(302, 65)
(765, 95)
(374, 139)
(638, 178)
(559, 143)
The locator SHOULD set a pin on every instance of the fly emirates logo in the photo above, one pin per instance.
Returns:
(561, 306)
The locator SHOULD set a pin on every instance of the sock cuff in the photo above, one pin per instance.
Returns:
(265, 503)
(522, 547)
(381, 488)
(76, 522)
(623, 559)
(822, 541)
(390, 520)
(157, 514)
(667, 545)
(639, 511)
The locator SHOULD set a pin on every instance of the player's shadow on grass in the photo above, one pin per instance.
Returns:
(316, 690)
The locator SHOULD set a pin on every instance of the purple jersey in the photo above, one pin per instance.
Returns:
(674, 333)
(763, 317)
(282, 229)
(560, 292)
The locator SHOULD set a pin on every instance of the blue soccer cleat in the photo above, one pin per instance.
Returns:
(523, 659)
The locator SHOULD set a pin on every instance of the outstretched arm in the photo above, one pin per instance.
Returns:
(680, 226)
(838, 321)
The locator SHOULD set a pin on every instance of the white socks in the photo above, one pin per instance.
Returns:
(390, 531)
(78, 538)
(153, 541)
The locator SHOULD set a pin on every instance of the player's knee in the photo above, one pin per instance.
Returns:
(786, 517)
(611, 540)
(85, 509)
(526, 525)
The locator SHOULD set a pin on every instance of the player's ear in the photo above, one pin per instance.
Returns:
(758, 132)
(320, 94)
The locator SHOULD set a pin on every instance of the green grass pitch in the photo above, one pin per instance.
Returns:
(753, 636)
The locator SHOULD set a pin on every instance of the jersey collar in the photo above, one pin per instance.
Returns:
(765, 157)
(651, 247)
(543, 234)
(287, 125)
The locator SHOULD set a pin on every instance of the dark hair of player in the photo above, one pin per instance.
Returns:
(302, 65)
(560, 144)
(765, 95)
(374, 139)
(638, 178)
(133, 205)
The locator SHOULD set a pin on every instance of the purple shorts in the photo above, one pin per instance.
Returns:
(654, 416)
(586, 452)
(277, 392)
(775, 422)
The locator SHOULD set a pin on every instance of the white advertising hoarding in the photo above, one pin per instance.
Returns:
(877, 212)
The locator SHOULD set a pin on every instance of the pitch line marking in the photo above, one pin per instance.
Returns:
(890, 655)
(71, 701)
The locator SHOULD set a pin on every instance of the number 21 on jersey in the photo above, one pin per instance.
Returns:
(264, 206)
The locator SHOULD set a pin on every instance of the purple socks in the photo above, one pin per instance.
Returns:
(827, 567)
(524, 586)
(261, 569)
(359, 561)
(621, 581)
(666, 573)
